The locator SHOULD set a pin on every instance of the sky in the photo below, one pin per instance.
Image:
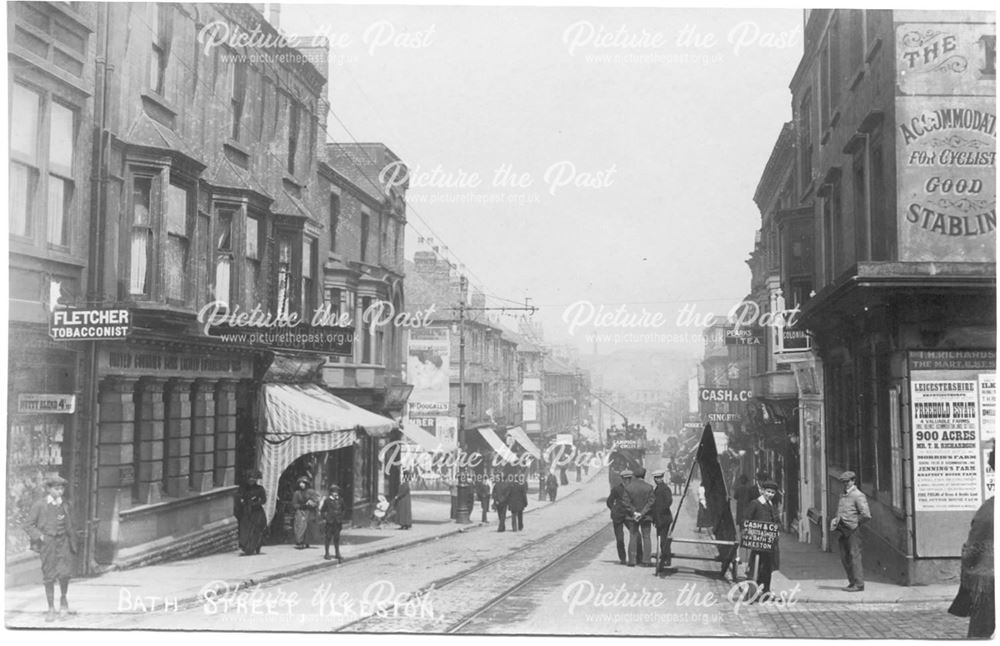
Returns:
(586, 158)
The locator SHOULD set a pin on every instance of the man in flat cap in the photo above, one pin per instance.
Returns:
(852, 512)
(662, 517)
(616, 504)
(50, 527)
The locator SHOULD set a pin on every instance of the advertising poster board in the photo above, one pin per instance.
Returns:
(428, 370)
(947, 444)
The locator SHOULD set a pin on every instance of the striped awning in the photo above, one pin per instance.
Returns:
(303, 419)
(497, 444)
(522, 438)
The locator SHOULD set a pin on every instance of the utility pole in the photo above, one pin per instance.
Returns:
(465, 501)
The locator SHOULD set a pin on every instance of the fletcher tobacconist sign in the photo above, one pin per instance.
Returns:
(89, 324)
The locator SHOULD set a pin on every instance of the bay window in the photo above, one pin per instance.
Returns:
(224, 254)
(284, 270)
(254, 229)
(308, 274)
(141, 257)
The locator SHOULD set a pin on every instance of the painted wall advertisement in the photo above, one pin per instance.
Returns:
(952, 408)
(428, 369)
(946, 141)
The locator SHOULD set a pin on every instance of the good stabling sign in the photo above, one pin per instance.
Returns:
(759, 535)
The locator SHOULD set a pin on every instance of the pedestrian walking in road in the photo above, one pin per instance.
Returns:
(638, 499)
(50, 528)
(402, 503)
(677, 480)
(563, 478)
(662, 518)
(248, 508)
(305, 501)
(501, 496)
(764, 562)
(483, 494)
(619, 514)
(551, 486)
(704, 520)
(976, 597)
(331, 511)
(518, 502)
(852, 512)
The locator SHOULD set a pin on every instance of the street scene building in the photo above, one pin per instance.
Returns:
(285, 276)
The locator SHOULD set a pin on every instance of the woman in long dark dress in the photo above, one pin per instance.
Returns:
(404, 510)
(249, 512)
(304, 502)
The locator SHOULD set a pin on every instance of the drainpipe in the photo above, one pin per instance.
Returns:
(95, 268)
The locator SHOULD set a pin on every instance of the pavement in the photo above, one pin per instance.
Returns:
(178, 584)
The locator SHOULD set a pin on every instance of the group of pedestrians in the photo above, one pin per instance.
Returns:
(637, 506)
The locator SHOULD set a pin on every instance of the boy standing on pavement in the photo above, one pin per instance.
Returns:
(50, 526)
(331, 510)
(852, 512)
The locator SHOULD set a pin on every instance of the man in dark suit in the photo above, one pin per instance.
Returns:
(501, 496)
(638, 499)
(517, 502)
(662, 517)
(763, 509)
(618, 513)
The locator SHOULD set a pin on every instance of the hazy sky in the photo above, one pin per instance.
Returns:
(664, 117)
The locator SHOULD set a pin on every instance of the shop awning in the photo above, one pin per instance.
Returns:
(522, 438)
(424, 440)
(303, 419)
(497, 444)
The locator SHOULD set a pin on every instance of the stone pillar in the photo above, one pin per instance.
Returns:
(202, 460)
(149, 433)
(177, 462)
(225, 433)
(115, 460)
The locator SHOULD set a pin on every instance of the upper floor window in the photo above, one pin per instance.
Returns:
(180, 220)
(238, 94)
(294, 115)
(364, 237)
(384, 224)
(38, 153)
(223, 237)
(161, 28)
(308, 277)
(254, 237)
(805, 141)
(141, 257)
(334, 220)
(283, 302)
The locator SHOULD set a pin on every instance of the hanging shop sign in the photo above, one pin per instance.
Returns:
(46, 403)
(744, 336)
(74, 324)
(724, 395)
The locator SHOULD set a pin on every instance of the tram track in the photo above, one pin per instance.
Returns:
(483, 586)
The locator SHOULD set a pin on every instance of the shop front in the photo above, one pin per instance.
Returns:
(166, 446)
